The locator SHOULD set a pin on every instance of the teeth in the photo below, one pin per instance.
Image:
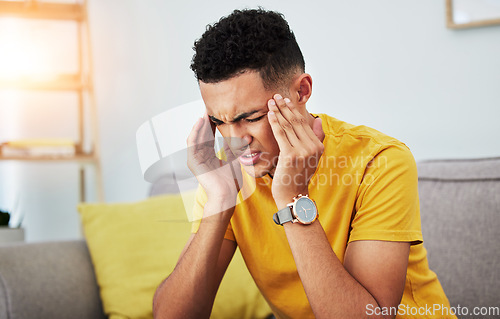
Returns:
(250, 155)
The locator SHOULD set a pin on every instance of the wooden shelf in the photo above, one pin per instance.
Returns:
(83, 158)
(79, 82)
(42, 10)
(69, 82)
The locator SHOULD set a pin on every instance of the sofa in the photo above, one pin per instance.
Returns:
(460, 213)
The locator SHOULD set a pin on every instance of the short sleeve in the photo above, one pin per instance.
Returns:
(387, 205)
(199, 204)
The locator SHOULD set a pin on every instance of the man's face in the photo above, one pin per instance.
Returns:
(238, 107)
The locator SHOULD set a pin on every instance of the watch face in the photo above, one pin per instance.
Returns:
(305, 210)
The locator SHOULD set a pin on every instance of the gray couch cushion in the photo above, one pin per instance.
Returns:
(168, 184)
(460, 210)
(48, 280)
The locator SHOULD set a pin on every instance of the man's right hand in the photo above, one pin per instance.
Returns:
(221, 179)
(190, 290)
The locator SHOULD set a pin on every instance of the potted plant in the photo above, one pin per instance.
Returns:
(4, 218)
(8, 234)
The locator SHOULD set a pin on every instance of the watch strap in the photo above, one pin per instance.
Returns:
(284, 215)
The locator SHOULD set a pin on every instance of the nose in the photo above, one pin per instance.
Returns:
(238, 138)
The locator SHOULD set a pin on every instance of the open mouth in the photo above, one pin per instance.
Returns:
(249, 157)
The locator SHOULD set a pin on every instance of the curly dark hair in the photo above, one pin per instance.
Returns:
(250, 39)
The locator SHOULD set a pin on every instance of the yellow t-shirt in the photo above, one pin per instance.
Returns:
(365, 188)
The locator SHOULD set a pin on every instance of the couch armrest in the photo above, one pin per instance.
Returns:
(460, 212)
(48, 280)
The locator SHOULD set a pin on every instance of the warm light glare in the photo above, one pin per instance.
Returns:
(21, 54)
(34, 53)
(9, 113)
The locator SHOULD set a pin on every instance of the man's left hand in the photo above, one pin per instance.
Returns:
(300, 149)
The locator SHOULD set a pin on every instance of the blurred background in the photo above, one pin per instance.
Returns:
(392, 65)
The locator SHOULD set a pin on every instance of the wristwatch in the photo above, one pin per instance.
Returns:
(302, 210)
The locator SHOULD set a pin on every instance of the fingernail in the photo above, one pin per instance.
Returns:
(287, 100)
(272, 102)
(277, 96)
(271, 113)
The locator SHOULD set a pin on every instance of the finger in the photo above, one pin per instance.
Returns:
(193, 146)
(200, 138)
(283, 123)
(282, 106)
(316, 132)
(298, 121)
(212, 124)
(278, 132)
(314, 135)
(191, 140)
(318, 129)
(206, 132)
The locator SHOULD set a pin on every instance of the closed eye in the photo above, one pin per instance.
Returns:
(255, 119)
(215, 121)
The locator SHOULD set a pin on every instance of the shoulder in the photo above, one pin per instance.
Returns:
(335, 128)
(343, 138)
(361, 142)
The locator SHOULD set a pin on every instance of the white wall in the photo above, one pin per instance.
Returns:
(389, 64)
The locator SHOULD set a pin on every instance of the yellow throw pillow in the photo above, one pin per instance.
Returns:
(134, 246)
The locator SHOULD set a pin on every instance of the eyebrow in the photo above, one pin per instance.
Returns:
(237, 118)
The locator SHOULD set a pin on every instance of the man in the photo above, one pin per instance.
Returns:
(357, 253)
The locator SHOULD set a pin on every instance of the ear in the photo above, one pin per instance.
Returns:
(302, 87)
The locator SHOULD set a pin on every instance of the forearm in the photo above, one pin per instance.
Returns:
(189, 291)
(330, 289)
